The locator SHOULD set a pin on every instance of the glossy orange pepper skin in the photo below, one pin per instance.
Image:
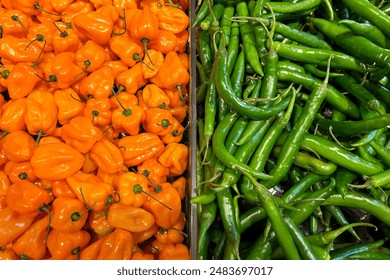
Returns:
(12, 22)
(158, 121)
(94, 26)
(153, 169)
(173, 234)
(89, 164)
(127, 100)
(129, 119)
(176, 134)
(21, 170)
(131, 79)
(65, 245)
(172, 73)
(68, 214)
(154, 97)
(12, 225)
(98, 84)
(41, 114)
(92, 250)
(142, 236)
(18, 146)
(108, 10)
(65, 38)
(164, 42)
(81, 134)
(144, 25)
(27, 198)
(165, 217)
(117, 66)
(99, 224)
(133, 219)
(52, 14)
(135, 149)
(117, 245)
(92, 190)
(107, 156)
(27, 6)
(61, 188)
(4, 183)
(127, 49)
(69, 104)
(45, 29)
(181, 185)
(61, 5)
(175, 157)
(31, 245)
(99, 111)
(138, 255)
(15, 49)
(22, 79)
(174, 252)
(90, 56)
(172, 19)
(62, 71)
(132, 189)
(56, 161)
(74, 9)
(8, 254)
(152, 63)
(12, 115)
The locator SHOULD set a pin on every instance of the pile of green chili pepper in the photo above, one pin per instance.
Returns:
(293, 111)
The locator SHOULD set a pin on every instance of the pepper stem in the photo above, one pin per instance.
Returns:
(36, 6)
(16, 18)
(137, 189)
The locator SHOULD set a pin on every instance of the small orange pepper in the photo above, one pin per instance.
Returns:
(154, 97)
(74, 9)
(122, 5)
(164, 42)
(174, 252)
(42, 35)
(180, 184)
(81, 134)
(153, 170)
(16, 49)
(132, 188)
(173, 234)
(142, 236)
(117, 245)
(65, 245)
(61, 188)
(90, 56)
(128, 119)
(135, 149)
(31, 245)
(56, 161)
(138, 255)
(21, 170)
(166, 205)
(99, 111)
(98, 84)
(117, 66)
(172, 19)
(176, 133)
(4, 183)
(133, 219)
(99, 224)
(68, 214)
(69, 104)
(89, 165)
(65, 39)
(18, 146)
(8, 254)
(107, 156)
(61, 5)
(132, 79)
(127, 49)
(158, 121)
(175, 157)
(14, 22)
(12, 115)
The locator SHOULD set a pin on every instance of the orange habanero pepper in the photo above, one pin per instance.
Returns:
(142, 236)
(138, 255)
(92, 190)
(107, 156)
(122, 5)
(117, 245)
(99, 224)
(61, 5)
(127, 49)
(166, 206)
(117, 66)
(99, 110)
(175, 157)
(31, 245)
(92, 250)
(153, 170)
(14, 22)
(90, 56)
(65, 245)
(12, 115)
(98, 84)
(18, 146)
(61, 188)
(132, 188)
(42, 35)
(66, 39)
(164, 42)
(135, 149)
(154, 97)
(95, 26)
(180, 184)
(151, 63)
(128, 119)
(173, 234)
(21, 170)
(176, 134)
(4, 183)
(172, 19)
(68, 214)
(8, 254)
(158, 121)
(81, 134)
(16, 49)
(69, 104)
(132, 79)
(56, 161)
(133, 219)
(12, 225)
(174, 252)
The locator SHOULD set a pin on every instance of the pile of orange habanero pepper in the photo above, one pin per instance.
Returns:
(93, 109)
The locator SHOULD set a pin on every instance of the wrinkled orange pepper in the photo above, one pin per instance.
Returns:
(176, 133)
(90, 56)
(21, 170)
(151, 63)
(128, 119)
(50, 15)
(61, 5)
(65, 39)
(135, 149)
(158, 121)
(92, 190)
(166, 206)
(133, 219)
(18, 146)
(175, 157)
(180, 184)
(121, 5)
(81, 134)
(65, 245)
(117, 245)
(14, 22)
(31, 245)
(117, 66)
(99, 224)
(92, 250)
(173, 234)
(27, 198)
(68, 214)
(95, 26)
(61, 188)
(132, 79)
(128, 50)
(69, 104)
(164, 42)
(8, 254)
(153, 170)
(132, 189)
(4, 183)
(41, 114)
(99, 111)
(107, 156)
(13, 225)
(154, 97)
(42, 35)
(97, 84)
(142, 236)
(12, 115)
(108, 10)
(174, 252)
(172, 19)
(56, 161)
(16, 49)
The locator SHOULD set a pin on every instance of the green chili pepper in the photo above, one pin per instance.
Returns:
(344, 253)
